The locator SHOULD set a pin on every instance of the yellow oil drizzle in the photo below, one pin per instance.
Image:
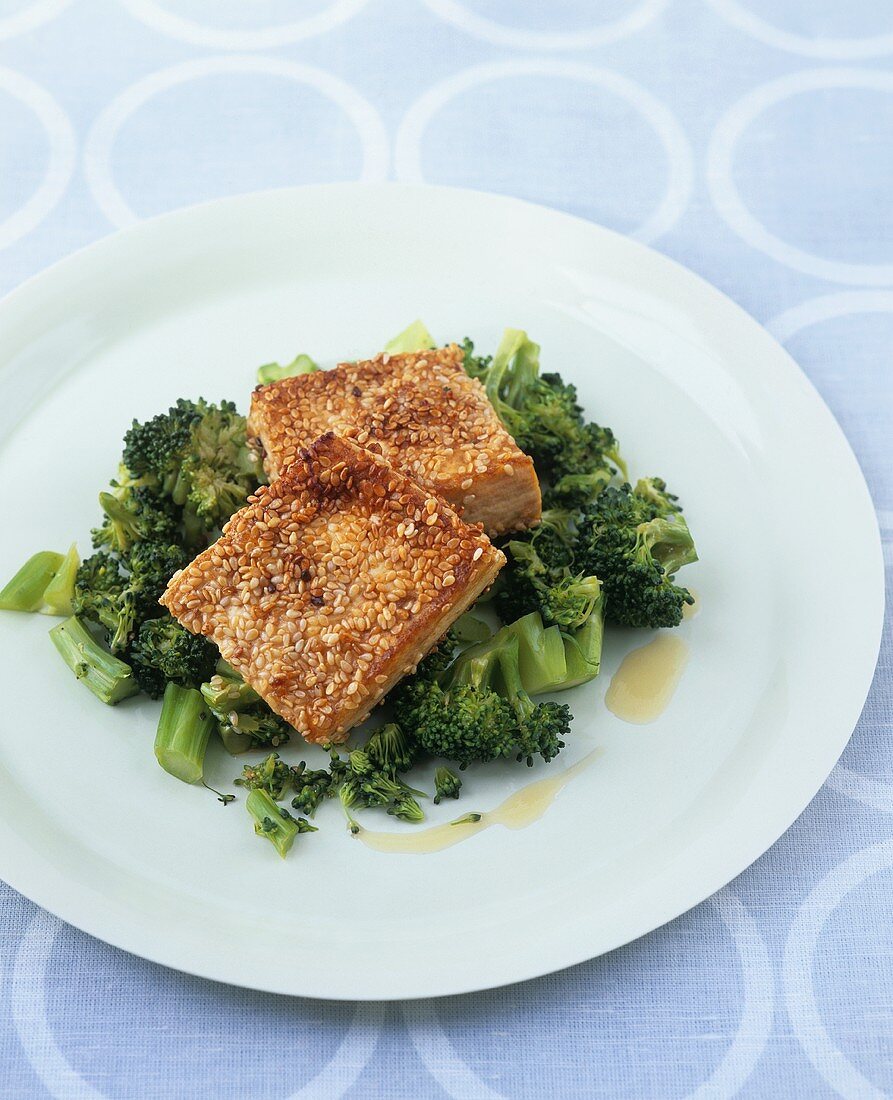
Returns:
(517, 812)
(691, 609)
(647, 678)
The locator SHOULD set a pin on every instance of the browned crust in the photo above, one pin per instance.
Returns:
(420, 411)
(332, 583)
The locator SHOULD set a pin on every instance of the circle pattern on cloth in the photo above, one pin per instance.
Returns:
(31, 16)
(858, 965)
(60, 164)
(199, 33)
(740, 14)
(562, 93)
(589, 993)
(182, 132)
(331, 1055)
(544, 36)
(731, 206)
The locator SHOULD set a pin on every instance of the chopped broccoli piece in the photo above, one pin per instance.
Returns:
(312, 786)
(543, 415)
(165, 652)
(58, 597)
(446, 784)
(468, 628)
(478, 709)
(27, 591)
(275, 823)
(389, 750)
(121, 603)
(109, 679)
(244, 720)
(271, 774)
(635, 540)
(273, 372)
(414, 337)
(476, 366)
(184, 727)
(131, 515)
(197, 456)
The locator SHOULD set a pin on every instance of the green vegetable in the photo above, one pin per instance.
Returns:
(165, 652)
(365, 784)
(58, 597)
(312, 786)
(414, 337)
(25, 592)
(108, 678)
(636, 540)
(121, 595)
(244, 719)
(478, 708)
(446, 784)
(543, 415)
(389, 749)
(271, 775)
(469, 628)
(196, 456)
(273, 372)
(275, 823)
(184, 727)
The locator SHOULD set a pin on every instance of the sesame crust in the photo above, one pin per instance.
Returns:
(423, 414)
(332, 583)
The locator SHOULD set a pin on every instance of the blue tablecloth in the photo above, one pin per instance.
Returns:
(750, 139)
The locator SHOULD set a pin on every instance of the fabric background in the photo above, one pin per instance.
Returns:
(750, 139)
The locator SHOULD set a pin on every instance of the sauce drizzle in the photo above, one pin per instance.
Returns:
(644, 684)
(517, 812)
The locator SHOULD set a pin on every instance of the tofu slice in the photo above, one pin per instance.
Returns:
(332, 584)
(420, 411)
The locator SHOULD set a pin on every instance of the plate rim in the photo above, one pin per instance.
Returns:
(75, 909)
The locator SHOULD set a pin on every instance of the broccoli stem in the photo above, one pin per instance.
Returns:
(108, 678)
(184, 728)
(59, 594)
(541, 654)
(583, 652)
(271, 821)
(414, 337)
(273, 372)
(26, 590)
(468, 628)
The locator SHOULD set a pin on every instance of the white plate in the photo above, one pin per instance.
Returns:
(93, 830)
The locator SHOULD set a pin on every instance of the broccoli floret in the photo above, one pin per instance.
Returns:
(312, 786)
(478, 709)
(364, 787)
(102, 596)
(165, 652)
(244, 720)
(541, 575)
(446, 785)
(636, 540)
(575, 491)
(275, 823)
(543, 415)
(389, 749)
(476, 366)
(197, 456)
(132, 514)
(219, 468)
(271, 775)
